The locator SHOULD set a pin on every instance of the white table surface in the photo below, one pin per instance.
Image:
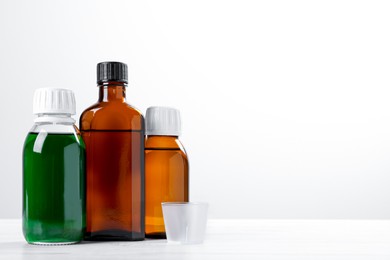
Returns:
(227, 239)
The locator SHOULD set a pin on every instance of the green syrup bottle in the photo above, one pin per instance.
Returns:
(54, 172)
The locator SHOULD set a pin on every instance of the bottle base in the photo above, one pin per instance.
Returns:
(156, 235)
(114, 235)
(54, 243)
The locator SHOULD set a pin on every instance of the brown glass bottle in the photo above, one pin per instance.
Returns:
(113, 133)
(166, 174)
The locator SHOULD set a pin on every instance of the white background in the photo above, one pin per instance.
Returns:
(285, 104)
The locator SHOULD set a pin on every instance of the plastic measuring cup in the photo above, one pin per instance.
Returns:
(185, 222)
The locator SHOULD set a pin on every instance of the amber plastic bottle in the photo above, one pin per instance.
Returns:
(166, 167)
(113, 132)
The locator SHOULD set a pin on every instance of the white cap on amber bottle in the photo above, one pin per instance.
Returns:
(163, 121)
(54, 101)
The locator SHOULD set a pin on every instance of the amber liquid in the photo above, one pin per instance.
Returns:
(166, 180)
(113, 133)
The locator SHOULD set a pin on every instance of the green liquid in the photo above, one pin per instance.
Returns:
(53, 188)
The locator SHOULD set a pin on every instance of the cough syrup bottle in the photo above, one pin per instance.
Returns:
(166, 167)
(113, 132)
(54, 172)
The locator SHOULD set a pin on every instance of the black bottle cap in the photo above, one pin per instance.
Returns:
(111, 71)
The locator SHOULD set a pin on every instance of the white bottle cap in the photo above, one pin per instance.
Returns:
(163, 121)
(54, 101)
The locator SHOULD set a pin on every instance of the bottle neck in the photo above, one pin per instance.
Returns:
(112, 91)
(54, 118)
(162, 141)
(163, 137)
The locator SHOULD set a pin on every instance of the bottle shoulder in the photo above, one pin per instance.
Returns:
(111, 116)
(63, 136)
(110, 107)
(164, 142)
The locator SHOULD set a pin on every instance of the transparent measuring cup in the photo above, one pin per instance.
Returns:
(185, 222)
